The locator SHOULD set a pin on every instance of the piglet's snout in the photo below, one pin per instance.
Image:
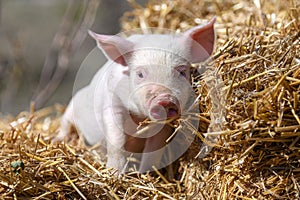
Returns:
(164, 106)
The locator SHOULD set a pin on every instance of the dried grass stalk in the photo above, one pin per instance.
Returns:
(256, 152)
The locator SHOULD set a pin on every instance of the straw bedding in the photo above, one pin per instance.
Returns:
(249, 120)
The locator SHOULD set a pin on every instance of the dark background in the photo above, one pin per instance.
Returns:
(27, 30)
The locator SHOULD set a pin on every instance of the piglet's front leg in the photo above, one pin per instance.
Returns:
(115, 140)
(153, 151)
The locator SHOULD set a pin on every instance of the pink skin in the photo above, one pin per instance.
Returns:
(160, 103)
(164, 106)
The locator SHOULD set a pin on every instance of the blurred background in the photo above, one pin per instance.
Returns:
(43, 43)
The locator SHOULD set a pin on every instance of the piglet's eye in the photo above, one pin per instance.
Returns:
(182, 70)
(140, 74)
(182, 73)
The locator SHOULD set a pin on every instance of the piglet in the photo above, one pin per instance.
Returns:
(146, 77)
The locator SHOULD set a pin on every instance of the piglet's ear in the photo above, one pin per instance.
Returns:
(203, 41)
(114, 47)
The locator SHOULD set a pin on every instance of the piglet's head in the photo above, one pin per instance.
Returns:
(159, 67)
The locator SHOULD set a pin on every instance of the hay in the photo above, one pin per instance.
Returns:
(257, 154)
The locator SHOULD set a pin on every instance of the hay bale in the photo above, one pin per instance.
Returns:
(257, 150)
(257, 55)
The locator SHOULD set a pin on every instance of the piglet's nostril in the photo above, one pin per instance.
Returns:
(172, 112)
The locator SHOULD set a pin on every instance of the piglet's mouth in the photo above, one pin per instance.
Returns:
(163, 109)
